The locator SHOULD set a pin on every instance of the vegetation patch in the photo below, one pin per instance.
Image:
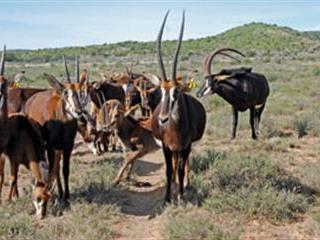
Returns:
(252, 187)
(190, 223)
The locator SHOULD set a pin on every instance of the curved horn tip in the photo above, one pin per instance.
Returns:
(176, 55)
(158, 47)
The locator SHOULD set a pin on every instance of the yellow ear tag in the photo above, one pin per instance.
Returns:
(192, 84)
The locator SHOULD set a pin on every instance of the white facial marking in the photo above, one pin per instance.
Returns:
(163, 93)
(171, 92)
(207, 91)
(158, 141)
(125, 88)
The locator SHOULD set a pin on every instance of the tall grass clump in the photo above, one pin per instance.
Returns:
(302, 126)
(251, 187)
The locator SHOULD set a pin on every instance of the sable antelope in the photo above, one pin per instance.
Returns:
(17, 98)
(58, 110)
(179, 119)
(136, 135)
(106, 136)
(242, 88)
(21, 142)
(147, 90)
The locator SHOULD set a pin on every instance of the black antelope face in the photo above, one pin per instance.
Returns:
(74, 94)
(207, 87)
(169, 102)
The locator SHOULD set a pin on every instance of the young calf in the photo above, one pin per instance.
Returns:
(134, 134)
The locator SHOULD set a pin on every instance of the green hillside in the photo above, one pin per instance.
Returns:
(312, 34)
(254, 39)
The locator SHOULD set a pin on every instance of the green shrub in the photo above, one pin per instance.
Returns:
(302, 126)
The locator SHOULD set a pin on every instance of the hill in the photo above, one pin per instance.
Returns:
(254, 39)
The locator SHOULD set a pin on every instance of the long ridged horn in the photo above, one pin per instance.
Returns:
(67, 70)
(209, 58)
(76, 72)
(3, 60)
(159, 55)
(176, 55)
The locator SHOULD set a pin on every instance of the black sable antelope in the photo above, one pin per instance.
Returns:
(178, 121)
(241, 87)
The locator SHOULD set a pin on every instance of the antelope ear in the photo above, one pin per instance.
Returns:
(84, 77)
(54, 83)
(154, 79)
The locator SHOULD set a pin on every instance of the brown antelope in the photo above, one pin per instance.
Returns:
(17, 98)
(21, 142)
(178, 121)
(135, 135)
(58, 111)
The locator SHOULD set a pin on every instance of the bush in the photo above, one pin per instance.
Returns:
(302, 127)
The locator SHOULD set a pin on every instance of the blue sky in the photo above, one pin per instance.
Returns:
(46, 23)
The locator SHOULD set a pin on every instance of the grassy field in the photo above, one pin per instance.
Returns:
(241, 189)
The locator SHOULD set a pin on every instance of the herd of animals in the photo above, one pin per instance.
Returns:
(38, 126)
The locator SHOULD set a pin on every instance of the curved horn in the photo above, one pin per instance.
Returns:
(3, 60)
(76, 73)
(230, 56)
(159, 55)
(67, 70)
(209, 58)
(176, 55)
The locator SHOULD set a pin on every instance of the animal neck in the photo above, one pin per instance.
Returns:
(225, 90)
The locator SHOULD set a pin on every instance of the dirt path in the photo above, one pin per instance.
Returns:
(143, 200)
